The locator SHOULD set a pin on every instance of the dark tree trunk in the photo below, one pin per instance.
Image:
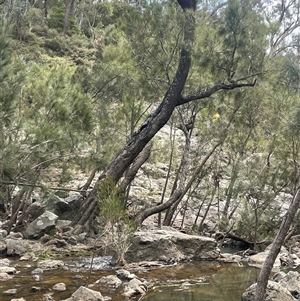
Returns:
(46, 8)
(150, 127)
(155, 121)
(264, 274)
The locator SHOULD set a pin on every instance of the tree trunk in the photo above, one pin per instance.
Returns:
(149, 128)
(69, 8)
(264, 274)
(154, 122)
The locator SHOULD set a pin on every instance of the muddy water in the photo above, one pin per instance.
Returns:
(197, 281)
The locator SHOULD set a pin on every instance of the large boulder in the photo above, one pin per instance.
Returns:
(259, 258)
(274, 292)
(170, 245)
(41, 225)
(68, 208)
(64, 208)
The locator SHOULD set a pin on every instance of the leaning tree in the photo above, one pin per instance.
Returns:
(239, 69)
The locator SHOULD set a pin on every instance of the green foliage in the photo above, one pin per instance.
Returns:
(116, 228)
(11, 78)
(57, 18)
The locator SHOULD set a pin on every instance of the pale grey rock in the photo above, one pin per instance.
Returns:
(135, 287)
(2, 247)
(11, 291)
(8, 270)
(59, 287)
(4, 276)
(170, 246)
(86, 294)
(4, 262)
(74, 200)
(274, 292)
(3, 234)
(290, 281)
(41, 225)
(36, 277)
(34, 210)
(15, 235)
(51, 264)
(124, 274)
(47, 297)
(37, 271)
(111, 281)
(16, 246)
(82, 237)
(18, 299)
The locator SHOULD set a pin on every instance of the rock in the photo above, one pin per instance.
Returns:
(68, 208)
(4, 276)
(50, 264)
(110, 281)
(16, 246)
(37, 271)
(11, 291)
(61, 207)
(18, 299)
(82, 237)
(34, 210)
(84, 293)
(35, 289)
(4, 262)
(135, 287)
(41, 225)
(3, 234)
(259, 258)
(274, 292)
(125, 275)
(74, 200)
(47, 297)
(3, 247)
(8, 270)
(64, 225)
(170, 246)
(291, 281)
(72, 241)
(59, 287)
(59, 243)
(15, 235)
(36, 277)
(28, 257)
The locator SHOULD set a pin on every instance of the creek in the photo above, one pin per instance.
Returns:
(194, 281)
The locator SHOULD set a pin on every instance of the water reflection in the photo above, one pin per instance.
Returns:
(224, 281)
(197, 281)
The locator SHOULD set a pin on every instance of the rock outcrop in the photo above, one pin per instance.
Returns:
(274, 292)
(41, 225)
(283, 287)
(170, 245)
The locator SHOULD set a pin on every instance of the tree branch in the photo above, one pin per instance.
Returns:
(231, 86)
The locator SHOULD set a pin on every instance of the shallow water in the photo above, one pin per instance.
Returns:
(197, 281)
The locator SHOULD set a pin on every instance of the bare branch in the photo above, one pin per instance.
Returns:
(231, 86)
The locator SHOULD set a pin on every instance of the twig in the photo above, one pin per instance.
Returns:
(41, 186)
